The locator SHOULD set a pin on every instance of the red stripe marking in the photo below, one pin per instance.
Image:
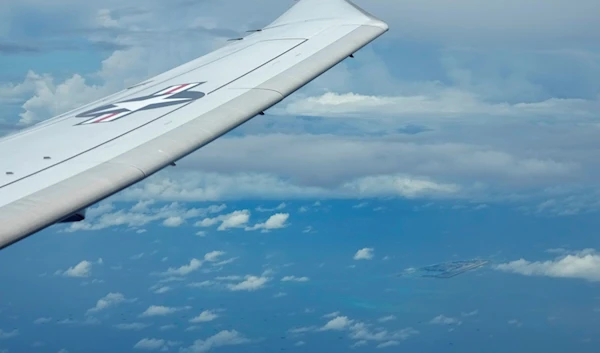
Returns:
(106, 117)
(176, 88)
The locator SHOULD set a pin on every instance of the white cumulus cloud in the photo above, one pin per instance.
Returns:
(276, 221)
(250, 283)
(82, 269)
(192, 266)
(205, 316)
(174, 221)
(110, 300)
(213, 256)
(159, 310)
(584, 264)
(236, 219)
(364, 254)
(338, 323)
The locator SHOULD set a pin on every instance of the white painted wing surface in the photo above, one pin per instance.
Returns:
(54, 169)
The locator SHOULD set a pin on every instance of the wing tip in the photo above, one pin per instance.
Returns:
(341, 10)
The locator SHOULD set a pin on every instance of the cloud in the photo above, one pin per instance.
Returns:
(221, 339)
(8, 334)
(159, 310)
(196, 264)
(162, 290)
(213, 256)
(447, 103)
(388, 344)
(332, 315)
(444, 320)
(42, 320)
(584, 264)
(194, 186)
(225, 262)
(515, 322)
(301, 330)
(295, 279)
(279, 207)
(441, 165)
(201, 186)
(136, 256)
(339, 323)
(359, 344)
(236, 219)
(173, 222)
(276, 221)
(82, 269)
(200, 284)
(132, 326)
(204, 316)
(150, 344)
(364, 254)
(88, 321)
(362, 331)
(108, 301)
(467, 22)
(471, 313)
(387, 318)
(193, 265)
(143, 212)
(250, 283)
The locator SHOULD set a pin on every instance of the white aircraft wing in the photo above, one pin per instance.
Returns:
(52, 171)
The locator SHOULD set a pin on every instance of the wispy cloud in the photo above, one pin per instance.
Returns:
(221, 339)
(444, 320)
(195, 264)
(160, 310)
(8, 334)
(132, 326)
(295, 279)
(250, 283)
(205, 316)
(110, 300)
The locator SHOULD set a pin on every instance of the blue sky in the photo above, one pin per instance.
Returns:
(469, 130)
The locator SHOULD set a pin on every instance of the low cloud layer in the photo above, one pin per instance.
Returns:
(583, 264)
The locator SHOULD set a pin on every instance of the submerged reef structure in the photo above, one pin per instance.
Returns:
(444, 269)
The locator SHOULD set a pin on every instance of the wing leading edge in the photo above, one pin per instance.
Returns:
(132, 134)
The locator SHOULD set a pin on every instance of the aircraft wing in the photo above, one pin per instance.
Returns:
(52, 171)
